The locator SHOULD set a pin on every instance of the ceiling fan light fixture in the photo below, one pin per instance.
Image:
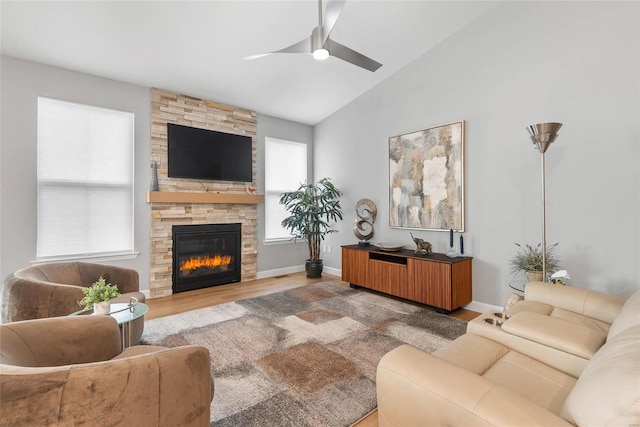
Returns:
(320, 54)
(321, 46)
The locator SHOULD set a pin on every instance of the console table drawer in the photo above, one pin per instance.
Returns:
(388, 277)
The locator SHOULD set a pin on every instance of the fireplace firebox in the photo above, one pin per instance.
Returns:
(206, 255)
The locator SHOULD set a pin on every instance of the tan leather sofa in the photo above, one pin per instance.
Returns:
(561, 326)
(517, 375)
(70, 371)
(54, 289)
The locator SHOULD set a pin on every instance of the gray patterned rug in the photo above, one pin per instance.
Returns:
(303, 357)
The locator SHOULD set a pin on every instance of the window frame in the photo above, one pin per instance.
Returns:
(275, 193)
(91, 186)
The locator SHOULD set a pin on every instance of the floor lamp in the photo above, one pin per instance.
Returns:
(543, 135)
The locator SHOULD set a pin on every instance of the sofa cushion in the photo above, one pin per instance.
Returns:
(485, 353)
(608, 391)
(629, 316)
(558, 333)
(536, 381)
(542, 384)
(558, 359)
(589, 322)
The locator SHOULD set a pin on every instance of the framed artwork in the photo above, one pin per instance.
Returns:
(426, 179)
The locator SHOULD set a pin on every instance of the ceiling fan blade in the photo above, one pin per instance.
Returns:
(259, 55)
(303, 46)
(331, 15)
(347, 54)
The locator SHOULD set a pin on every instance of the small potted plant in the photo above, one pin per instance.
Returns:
(99, 296)
(528, 261)
(311, 207)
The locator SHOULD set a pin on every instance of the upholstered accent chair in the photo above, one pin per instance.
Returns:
(54, 289)
(69, 371)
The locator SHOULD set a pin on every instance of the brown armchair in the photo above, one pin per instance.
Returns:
(54, 289)
(71, 371)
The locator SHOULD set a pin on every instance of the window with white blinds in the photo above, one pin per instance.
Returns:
(285, 169)
(85, 180)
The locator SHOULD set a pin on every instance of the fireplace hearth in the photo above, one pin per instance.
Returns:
(205, 255)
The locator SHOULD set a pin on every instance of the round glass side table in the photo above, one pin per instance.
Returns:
(124, 313)
(518, 285)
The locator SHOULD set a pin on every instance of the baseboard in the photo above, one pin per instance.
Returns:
(334, 271)
(481, 307)
(279, 272)
(294, 269)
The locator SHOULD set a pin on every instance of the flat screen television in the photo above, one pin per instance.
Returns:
(209, 155)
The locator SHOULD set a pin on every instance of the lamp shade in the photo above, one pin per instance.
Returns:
(543, 134)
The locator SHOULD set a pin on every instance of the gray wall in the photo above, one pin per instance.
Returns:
(281, 257)
(22, 83)
(520, 64)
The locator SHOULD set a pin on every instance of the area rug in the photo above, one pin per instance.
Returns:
(302, 357)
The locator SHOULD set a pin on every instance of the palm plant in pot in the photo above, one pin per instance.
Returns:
(311, 208)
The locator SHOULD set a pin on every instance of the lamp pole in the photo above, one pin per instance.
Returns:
(543, 135)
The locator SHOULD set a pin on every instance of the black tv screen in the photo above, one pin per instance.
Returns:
(207, 154)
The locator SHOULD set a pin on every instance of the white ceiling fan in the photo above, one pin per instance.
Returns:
(321, 46)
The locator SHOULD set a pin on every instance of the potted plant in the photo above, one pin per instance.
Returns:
(99, 296)
(311, 208)
(528, 261)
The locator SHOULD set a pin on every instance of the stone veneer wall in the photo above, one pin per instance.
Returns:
(169, 107)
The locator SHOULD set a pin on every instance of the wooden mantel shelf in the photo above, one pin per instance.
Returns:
(192, 197)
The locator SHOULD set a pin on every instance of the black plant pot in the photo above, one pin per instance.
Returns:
(313, 268)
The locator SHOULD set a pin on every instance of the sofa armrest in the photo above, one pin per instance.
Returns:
(416, 388)
(558, 359)
(59, 341)
(169, 387)
(579, 300)
(555, 332)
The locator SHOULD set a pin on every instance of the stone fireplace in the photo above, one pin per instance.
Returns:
(185, 202)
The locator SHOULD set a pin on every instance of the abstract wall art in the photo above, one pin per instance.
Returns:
(426, 178)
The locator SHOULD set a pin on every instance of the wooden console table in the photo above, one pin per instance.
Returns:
(434, 279)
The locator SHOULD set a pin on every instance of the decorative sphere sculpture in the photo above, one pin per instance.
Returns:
(366, 212)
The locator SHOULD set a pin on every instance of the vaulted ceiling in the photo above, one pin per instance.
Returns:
(197, 48)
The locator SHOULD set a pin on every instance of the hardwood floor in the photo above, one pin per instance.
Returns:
(192, 300)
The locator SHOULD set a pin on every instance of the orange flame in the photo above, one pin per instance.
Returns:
(206, 261)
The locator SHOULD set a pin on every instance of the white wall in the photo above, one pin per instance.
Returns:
(281, 257)
(520, 64)
(22, 83)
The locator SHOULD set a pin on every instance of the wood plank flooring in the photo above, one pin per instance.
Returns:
(192, 300)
